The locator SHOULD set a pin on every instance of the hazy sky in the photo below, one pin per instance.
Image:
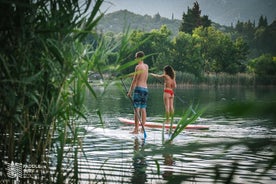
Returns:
(221, 11)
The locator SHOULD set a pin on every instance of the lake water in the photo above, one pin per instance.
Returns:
(239, 145)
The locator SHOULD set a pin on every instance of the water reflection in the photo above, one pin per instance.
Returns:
(194, 156)
(139, 163)
(168, 162)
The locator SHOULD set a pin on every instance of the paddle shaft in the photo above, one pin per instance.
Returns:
(137, 113)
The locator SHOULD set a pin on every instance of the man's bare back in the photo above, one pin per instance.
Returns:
(141, 75)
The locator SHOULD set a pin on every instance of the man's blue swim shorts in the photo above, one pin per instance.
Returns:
(140, 97)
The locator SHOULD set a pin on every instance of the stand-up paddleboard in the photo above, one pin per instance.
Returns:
(160, 125)
(107, 132)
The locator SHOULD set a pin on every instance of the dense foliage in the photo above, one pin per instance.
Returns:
(44, 65)
(48, 49)
(200, 47)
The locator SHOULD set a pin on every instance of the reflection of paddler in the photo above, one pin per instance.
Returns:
(139, 164)
(168, 161)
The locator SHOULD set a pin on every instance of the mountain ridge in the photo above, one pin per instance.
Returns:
(118, 21)
(223, 12)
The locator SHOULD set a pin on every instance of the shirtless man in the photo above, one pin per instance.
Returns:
(140, 94)
(169, 86)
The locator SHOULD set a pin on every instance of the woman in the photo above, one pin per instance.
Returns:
(169, 86)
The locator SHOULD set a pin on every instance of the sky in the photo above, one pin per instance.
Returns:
(223, 12)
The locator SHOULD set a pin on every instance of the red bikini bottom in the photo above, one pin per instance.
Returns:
(170, 91)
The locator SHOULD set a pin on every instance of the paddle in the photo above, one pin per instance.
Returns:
(138, 115)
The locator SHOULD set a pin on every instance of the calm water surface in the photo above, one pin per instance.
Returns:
(237, 147)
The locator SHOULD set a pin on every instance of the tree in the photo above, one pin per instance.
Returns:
(157, 43)
(241, 53)
(219, 52)
(262, 22)
(186, 54)
(246, 30)
(265, 39)
(193, 19)
(157, 17)
(263, 65)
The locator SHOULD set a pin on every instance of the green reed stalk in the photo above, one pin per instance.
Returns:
(189, 116)
(45, 63)
(43, 73)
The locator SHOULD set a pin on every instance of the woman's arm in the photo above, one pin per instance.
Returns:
(156, 75)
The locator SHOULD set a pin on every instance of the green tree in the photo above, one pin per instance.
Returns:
(262, 22)
(263, 65)
(241, 54)
(265, 39)
(157, 17)
(161, 45)
(272, 38)
(186, 54)
(219, 52)
(246, 30)
(155, 42)
(260, 39)
(193, 19)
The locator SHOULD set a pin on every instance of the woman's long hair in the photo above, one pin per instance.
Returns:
(169, 71)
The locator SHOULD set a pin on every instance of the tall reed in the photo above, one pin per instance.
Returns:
(44, 68)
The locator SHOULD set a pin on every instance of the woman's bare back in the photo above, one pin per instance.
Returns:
(169, 82)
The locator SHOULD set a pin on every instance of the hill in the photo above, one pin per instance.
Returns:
(223, 12)
(118, 21)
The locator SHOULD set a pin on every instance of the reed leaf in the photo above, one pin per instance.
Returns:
(158, 167)
(54, 49)
(44, 66)
(187, 118)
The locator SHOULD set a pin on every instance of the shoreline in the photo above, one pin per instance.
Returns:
(206, 86)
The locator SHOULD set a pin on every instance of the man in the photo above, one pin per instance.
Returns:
(140, 94)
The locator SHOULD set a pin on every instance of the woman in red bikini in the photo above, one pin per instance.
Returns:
(169, 86)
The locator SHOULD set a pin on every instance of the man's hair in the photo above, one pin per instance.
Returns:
(139, 54)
